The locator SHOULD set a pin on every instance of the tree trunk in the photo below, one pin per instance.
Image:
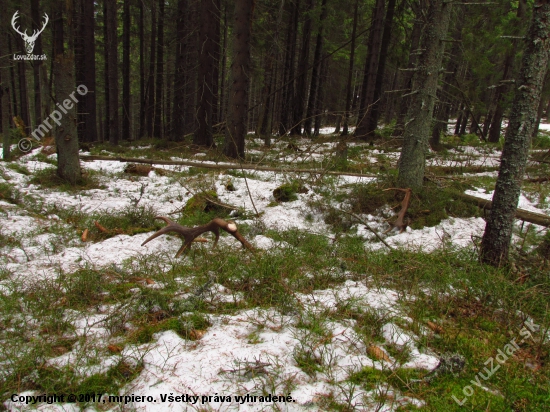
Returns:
(142, 71)
(406, 83)
(158, 128)
(112, 58)
(207, 63)
(150, 91)
(4, 89)
(87, 112)
(346, 115)
(496, 123)
(371, 66)
(288, 72)
(240, 70)
(498, 231)
(313, 91)
(300, 96)
(424, 86)
(180, 75)
(126, 71)
(66, 135)
(39, 111)
(369, 123)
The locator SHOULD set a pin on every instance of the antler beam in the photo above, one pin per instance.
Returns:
(191, 233)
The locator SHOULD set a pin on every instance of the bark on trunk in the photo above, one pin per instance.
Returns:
(424, 86)
(371, 67)
(87, 118)
(345, 130)
(300, 96)
(313, 91)
(180, 78)
(159, 88)
(126, 72)
(4, 89)
(240, 70)
(112, 57)
(207, 72)
(498, 231)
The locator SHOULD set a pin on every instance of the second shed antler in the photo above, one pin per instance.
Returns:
(191, 233)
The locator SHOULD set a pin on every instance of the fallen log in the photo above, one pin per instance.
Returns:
(220, 166)
(522, 214)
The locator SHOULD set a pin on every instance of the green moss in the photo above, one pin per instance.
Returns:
(287, 192)
(204, 202)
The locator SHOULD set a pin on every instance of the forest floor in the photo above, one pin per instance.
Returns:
(323, 314)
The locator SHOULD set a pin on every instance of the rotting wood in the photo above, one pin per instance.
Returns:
(532, 217)
(218, 166)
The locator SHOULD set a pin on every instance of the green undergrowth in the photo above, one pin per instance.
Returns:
(476, 307)
(49, 179)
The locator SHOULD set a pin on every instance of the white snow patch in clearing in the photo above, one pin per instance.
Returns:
(455, 232)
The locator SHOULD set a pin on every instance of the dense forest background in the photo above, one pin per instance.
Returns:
(162, 69)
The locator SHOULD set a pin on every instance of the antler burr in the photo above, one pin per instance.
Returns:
(191, 233)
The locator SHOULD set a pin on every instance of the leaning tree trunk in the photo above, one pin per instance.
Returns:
(424, 87)
(235, 132)
(498, 231)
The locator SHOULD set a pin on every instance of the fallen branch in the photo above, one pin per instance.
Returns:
(218, 166)
(522, 214)
(367, 226)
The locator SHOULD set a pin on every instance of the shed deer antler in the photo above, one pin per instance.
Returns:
(400, 221)
(191, 233)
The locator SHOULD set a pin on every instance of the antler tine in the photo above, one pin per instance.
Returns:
(14, 22)
(171, 227)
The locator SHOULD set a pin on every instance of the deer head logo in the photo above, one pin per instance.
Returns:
(29, 40)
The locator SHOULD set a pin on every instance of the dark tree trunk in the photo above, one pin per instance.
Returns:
(158, 128)
(320, 100)
(345, 128)
(112, 57)
(38, 65)
(371, 67)
(87, 114)
(300, 94)
(222, 101)
(444, 105)
(142, 102)
(369, 123)
(4, 89)
(235, 132)
(406, 83)
(424, 86)
(498, 231)
(496, 123)
(288, 72)
(66, 135)
(313, 91)
(22, 83)
(106, 72)
(150, 91)
(126, 71)
(207, 63)
(180, 75)
(14, 109)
